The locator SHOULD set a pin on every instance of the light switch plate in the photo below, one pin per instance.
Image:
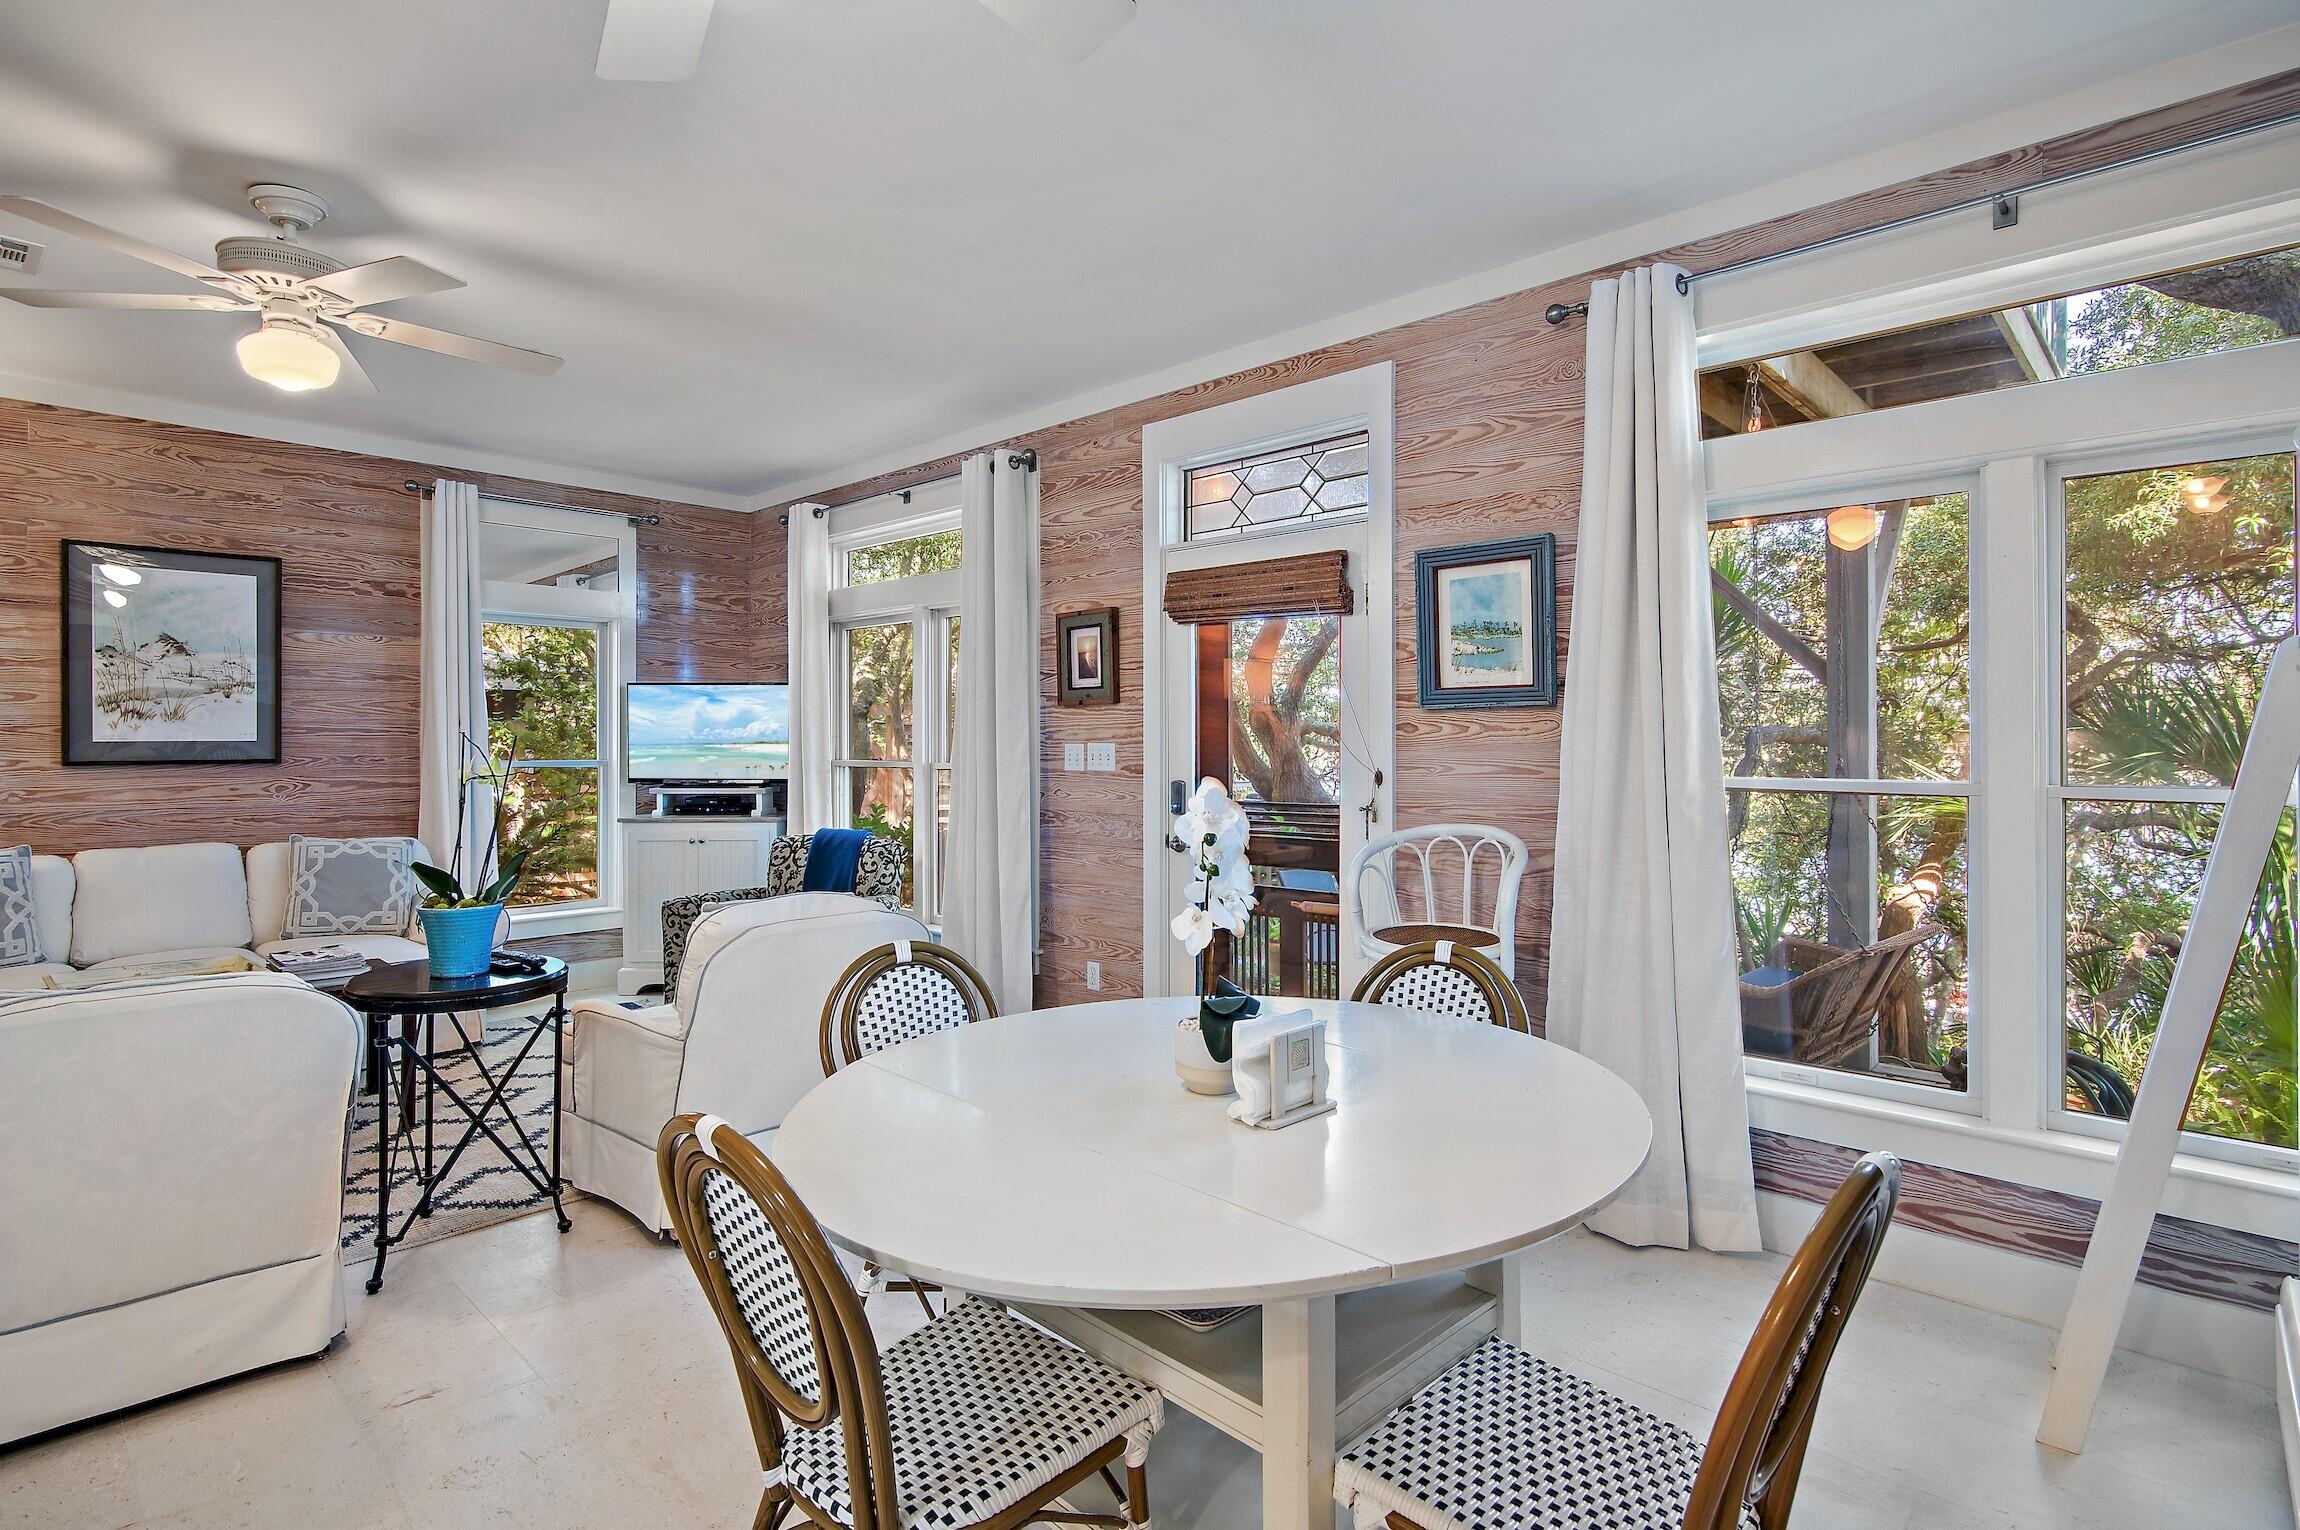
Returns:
(1094, 977)
(1102, 756)
(1073, 756)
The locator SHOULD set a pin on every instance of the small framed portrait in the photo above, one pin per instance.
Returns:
(169, 657)
(1486, 620)
(1086, 657)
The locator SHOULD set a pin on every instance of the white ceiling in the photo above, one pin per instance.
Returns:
(866, 224)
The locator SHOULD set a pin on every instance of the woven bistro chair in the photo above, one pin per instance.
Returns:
(1506, 1441)
(1826, 997)
(887, 997)
(978, 1419)
(1445, 979)
(897, 993)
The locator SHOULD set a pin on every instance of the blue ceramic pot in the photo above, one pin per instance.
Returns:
(460, 940)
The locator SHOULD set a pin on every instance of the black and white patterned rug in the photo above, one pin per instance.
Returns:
(484, 1188)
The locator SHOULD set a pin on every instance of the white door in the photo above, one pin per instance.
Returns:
(1294, 714)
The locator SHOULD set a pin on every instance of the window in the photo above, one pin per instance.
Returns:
(1844, 691)
(897, 626)
(543, 709)
(2178, 584)
(2162, 317)
(2058, 611)
(1297, 483)
(556, 640)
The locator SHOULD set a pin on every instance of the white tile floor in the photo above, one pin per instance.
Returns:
(511, 1377)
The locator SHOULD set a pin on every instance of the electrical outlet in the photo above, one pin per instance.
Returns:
(1102, 756)
(1073, 756)
(1094, 977)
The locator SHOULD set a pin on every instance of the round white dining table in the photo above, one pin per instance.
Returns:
(1054, 1158)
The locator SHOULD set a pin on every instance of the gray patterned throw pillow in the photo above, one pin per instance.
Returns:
(19, 915)
(349, 887)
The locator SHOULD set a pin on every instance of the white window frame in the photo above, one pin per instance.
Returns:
(616, 613)
(927, 603)
(2016, 444)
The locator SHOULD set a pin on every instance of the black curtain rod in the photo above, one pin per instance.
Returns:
(417, 486)
(2004, 208)
(1015, 460)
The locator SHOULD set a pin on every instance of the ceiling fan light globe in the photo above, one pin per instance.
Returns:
(288, 359)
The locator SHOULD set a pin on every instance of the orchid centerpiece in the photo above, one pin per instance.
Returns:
(1214, 830)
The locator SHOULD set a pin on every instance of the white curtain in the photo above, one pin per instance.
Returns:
(990, 887)
(454, 683)
(814, 673)
(1642, 968)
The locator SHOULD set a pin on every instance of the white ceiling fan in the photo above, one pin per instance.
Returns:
(302, 295)
(663, 39)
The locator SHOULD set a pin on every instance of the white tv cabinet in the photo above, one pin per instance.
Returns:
(667, 858)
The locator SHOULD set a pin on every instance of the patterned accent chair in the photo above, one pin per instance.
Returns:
(977, 1419)
(1506, 1441)
(879, 875)
(1445, 979)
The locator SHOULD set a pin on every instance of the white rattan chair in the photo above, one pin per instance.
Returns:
(977, 1419)
(1443, 881)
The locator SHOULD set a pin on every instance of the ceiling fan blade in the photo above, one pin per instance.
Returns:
(353, 378)
(1068, 29)
(187, 302)
(64, 222)
(384, 281)
(652, 39)
(447, 344)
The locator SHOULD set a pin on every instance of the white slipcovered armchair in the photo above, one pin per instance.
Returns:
(741, 1039)
(171, 1188)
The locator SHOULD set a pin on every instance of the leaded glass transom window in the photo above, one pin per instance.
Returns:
(1297, 483)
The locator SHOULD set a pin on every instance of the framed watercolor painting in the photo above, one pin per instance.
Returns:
(1086, 657)
(1486, 621)
(169, 657)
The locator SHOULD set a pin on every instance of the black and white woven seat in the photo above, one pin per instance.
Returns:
(1442, 978)
(1506, 1441)
(985, 1411)
(897, 993)
(977, 1419)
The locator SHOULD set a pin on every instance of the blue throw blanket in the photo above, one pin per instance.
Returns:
(833, 855)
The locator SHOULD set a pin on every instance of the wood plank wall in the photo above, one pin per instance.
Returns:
(346, 531)
(1489, 421)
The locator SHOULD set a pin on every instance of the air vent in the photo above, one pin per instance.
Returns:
(19, 257)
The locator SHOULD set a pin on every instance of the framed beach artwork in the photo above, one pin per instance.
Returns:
(1486, 620)
(1086, 657)
(169, 657)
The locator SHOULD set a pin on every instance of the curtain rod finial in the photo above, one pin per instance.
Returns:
(1558, 313)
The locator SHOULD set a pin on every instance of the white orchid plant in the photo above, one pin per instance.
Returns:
(1214, 829)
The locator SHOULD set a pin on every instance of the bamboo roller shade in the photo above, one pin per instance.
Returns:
(1311, 584)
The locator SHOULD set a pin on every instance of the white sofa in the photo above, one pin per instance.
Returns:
(171, 1187)
(741, 1039)
(119, 909)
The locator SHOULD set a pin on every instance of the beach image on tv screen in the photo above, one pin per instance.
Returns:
(708, 732)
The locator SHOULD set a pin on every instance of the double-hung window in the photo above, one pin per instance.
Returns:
(895, 618)
(1994, 597)
(559, 616)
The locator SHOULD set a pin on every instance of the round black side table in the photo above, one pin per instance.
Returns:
(409, 992)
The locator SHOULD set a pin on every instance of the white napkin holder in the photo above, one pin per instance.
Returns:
(1278, 1063)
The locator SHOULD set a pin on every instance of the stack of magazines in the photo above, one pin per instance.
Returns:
(321, 966)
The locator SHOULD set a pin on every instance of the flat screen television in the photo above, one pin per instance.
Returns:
(696, 735)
